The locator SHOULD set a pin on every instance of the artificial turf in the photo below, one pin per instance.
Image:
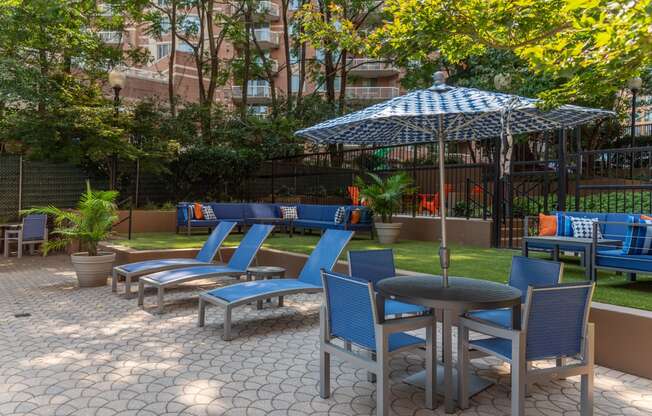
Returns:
(420, 256)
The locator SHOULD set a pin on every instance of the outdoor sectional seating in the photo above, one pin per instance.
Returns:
(613, 226)
(310, 217)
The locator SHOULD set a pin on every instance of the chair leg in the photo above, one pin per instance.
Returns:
(371, 377)
(128, 286)
(632, 277)
(280, 301)
(227, 324)
(141, 293)
(325, 358)
(159, 299)
(518, 376)
(382, 380)
(586, 380)
(114, 281)
(431, 365)
(201, 313)
(462, 367)
(560, 362)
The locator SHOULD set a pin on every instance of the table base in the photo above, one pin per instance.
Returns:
(476, 384)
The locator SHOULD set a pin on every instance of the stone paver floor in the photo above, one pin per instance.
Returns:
(90, 352)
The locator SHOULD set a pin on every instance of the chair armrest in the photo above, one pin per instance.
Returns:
(489, 329)
(391, 326)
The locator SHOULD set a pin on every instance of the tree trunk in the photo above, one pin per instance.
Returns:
(171, 58)
(288, 54)
(249, 30)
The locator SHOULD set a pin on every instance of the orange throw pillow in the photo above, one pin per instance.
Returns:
(199, 215)
(355, 216)
(547, 224)
(646, 217)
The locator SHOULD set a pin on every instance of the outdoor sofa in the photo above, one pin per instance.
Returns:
(612, 226)
(310, 216)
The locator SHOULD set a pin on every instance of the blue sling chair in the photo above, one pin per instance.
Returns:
(350, 315)
(555, 326)
(205, 257)
(375, 265)
(324, 256)
(240, 261)
(525, 272)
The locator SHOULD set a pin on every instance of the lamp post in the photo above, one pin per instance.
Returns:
(634, 85)
(117, 81)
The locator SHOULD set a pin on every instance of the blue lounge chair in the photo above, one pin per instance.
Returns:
(555, 326)
(237, 266)
(525, 272)
(350, 315)
(375, 265)
(324, 256)
(205, 257)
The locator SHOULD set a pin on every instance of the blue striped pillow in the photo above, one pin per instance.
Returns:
(645, 237)
(564, 225)
(635, 237)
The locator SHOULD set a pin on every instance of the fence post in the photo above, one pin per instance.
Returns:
(131, 209)
(273, 186)
(561, 170)
(414, 180)
(497, 202)
(20, 184)
(578, 167)
(468, 199)
(485, 186)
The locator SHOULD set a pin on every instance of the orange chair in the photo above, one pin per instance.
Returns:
(432, 206)
(354, 194)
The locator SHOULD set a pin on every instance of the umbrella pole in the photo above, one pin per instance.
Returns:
(444, 255)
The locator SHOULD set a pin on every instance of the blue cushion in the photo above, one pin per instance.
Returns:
(317, 224)
(500, 317)
(310, 212)
(328, 212)
(203, 223)
(499, 346)
(616, 231)
(227, 211)
(261, 211)
(401, 339)
(632, 243)
(564, 227)
(617, 260)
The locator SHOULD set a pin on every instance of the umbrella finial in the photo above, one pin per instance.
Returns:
(439, 81)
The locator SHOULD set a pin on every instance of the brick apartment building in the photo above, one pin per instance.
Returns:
(368, 80)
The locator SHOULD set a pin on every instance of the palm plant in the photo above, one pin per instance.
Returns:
(90, 223)
(384, 196)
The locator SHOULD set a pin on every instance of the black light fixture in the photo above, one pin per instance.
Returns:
(117, 81)
(634, 85)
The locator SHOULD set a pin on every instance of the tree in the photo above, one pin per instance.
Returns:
(591, 46)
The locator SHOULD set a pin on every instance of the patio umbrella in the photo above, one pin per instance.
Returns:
(444, 113)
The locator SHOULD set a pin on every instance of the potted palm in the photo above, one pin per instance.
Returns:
(89, 224)
(383, 197)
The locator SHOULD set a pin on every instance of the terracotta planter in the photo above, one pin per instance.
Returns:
(388, 232)
(92, 271)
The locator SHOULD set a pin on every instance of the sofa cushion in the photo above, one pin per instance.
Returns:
(616, 259)
(340, 215)
(328, 213)
(310, 212)
(209, 215)
(203, 223)
(227, 211)
(316, 224)
(633, 242)
(616, 231)
(583, 227)
(262, 211)
(289, 212)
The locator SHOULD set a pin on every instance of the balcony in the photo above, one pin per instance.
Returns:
(273, 64)
(110, 37)
(371, 93)
(370, 68)
(268, 11)
(267, 39)
(256, 94)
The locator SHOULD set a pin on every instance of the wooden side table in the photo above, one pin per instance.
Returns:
(265, 272)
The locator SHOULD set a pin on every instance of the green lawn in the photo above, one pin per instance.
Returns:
(419, 256)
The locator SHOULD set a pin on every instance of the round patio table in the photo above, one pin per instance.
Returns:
(463, 294)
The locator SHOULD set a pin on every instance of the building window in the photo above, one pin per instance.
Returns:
(294, 4)
(162, 50)
(322, 87)
(258, 110)
(183, 47)
(295, 83)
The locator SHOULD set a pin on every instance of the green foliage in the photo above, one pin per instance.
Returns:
(384, 196)
(90, 223)
(598, 202)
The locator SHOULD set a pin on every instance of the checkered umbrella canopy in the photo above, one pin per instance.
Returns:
(444, 113)
(455, 113)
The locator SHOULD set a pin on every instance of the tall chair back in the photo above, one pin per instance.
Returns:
(324, 256)
(249, 246)
(34, 227)
(349, 308)
(527, 271)
(372, 265)
(556, 319)
(214, 241)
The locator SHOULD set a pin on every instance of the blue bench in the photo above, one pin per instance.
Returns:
(311, 217)
(613, 226)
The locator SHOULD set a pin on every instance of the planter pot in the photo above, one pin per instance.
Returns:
(92, 270)
(388, 232)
